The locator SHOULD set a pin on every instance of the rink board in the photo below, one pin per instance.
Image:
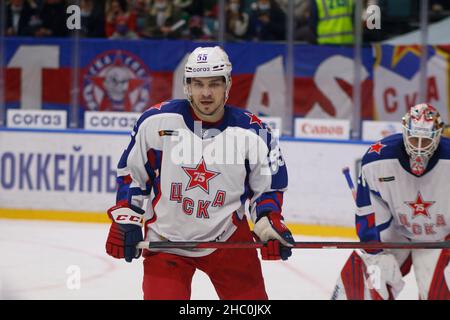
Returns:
(70, 175)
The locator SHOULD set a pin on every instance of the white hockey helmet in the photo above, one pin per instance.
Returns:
(422, 129)
(208, 62)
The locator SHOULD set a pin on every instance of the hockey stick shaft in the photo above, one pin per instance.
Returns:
(296, 245)
(346, 172)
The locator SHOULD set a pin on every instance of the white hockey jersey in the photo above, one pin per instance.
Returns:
(395, 205)
(197, 177)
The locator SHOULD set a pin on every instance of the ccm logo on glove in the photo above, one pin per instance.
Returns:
(125, 215)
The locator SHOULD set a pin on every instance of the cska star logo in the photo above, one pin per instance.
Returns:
(376, 147)
(254, 119)
(159, 105)
(199, 176)
(420, 207)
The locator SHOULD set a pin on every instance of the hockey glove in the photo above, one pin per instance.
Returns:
(125, 232)
(270, 228)
(385, 276)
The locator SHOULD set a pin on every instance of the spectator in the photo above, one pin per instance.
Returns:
(164, 21)
(302, 15)
(120, 23)
(53, 19)
(92, 18)
(141, 12)
(332, 21)
(210, 19)
(19, 15)
(267, 21)
(196, 28)
(237, 21)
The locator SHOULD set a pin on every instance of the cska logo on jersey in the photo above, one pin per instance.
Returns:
(420, 207)
(200, 176)
(254, 119)
(376, 147)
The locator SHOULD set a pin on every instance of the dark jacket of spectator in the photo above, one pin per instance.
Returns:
(267, 21)
(54, 17)
(18, 17)
(92, 18)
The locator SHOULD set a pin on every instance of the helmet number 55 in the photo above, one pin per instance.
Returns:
(202, 57)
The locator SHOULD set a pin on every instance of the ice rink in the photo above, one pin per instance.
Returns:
(41, 260)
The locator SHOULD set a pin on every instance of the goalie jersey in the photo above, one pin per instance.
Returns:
(393, 204)
(193, 179)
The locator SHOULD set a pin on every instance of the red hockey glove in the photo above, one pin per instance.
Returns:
(125, 232)
(271, 228)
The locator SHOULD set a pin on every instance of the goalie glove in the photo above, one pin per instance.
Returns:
(270, 228)
(384, 273)
(125, 232)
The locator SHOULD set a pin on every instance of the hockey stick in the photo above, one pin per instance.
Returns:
(346, 172)
(296, 245)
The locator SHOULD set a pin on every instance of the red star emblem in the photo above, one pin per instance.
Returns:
(376, 147)
(199, 176)
(420, 207)
(254, 119)
(158, 106)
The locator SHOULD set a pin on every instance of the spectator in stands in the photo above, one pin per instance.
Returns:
(92, 18)
(164, 21)
(195, 26)
(267, 21)
(19, 14)
(141, 12)
(210, 19)
(332, 21)
(237, 21)
(53, 19)
(120, 23)
(202, 18)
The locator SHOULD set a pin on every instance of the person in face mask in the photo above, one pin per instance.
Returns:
(267, 21)
(120, 23)
(237, 21)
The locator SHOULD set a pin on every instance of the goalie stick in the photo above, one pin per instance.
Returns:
(296, 245)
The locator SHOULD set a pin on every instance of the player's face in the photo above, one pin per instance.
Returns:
(208, 97)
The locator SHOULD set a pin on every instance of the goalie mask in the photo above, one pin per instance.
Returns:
(207, 62)
(422, 128)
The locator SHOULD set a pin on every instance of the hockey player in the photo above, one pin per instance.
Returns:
(402, 195)
(197, 162)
